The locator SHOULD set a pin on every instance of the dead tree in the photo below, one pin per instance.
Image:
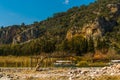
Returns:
(39, 63)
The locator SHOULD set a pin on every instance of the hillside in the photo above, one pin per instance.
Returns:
(79, 30)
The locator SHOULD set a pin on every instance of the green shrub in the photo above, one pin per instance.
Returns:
(98, 64)
(82, 64)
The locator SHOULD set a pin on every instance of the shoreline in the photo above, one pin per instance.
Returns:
(59, 73)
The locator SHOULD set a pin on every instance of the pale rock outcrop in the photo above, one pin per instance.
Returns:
(114, 8)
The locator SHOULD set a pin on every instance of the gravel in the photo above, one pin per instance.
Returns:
(59, 73)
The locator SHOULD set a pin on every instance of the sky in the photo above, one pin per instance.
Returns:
(15, 12)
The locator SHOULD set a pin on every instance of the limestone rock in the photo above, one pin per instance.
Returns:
(118, 66)
(114, 8)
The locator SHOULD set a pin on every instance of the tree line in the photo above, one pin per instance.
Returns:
(77, 45)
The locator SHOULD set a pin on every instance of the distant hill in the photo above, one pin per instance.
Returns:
(79, 30)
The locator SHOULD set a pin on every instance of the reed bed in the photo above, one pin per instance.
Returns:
(23, 61)
(13, 61)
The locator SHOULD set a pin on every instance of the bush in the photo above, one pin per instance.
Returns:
(98, 64)
(82, 64)
(90, 64)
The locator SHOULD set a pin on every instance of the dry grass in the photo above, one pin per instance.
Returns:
(85, 78)
(50, 78)
(108, 78)
(22, 61)
(12, 61)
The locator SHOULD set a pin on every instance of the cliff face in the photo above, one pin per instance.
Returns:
(7, 34)
(27, 35)
(95, 29)
(92, 30)
(114, 8)
(17, 35)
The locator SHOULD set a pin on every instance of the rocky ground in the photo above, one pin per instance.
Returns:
(93, 73)
(60, 73)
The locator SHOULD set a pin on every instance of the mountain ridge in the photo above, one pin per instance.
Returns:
(94, 25)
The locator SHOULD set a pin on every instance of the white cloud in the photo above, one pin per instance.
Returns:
(66, 2)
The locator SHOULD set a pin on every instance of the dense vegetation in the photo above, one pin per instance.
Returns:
(50, 35)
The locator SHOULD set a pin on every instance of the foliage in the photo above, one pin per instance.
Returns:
(98, 64)
(82, 64)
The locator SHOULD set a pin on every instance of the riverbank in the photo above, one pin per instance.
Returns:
(91, 73)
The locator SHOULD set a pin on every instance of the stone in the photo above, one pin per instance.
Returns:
(118, 66)
(1, 75)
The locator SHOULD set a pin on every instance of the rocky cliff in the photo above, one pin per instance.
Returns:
(95, 29)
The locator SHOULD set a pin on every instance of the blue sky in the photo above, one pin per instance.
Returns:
(27, 11)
